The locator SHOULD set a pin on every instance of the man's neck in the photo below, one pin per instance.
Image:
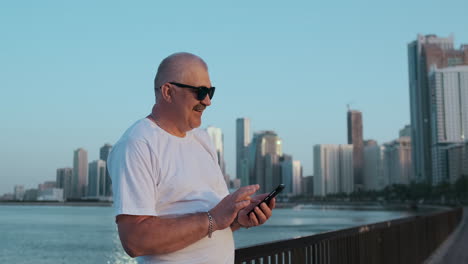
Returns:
(162, 119)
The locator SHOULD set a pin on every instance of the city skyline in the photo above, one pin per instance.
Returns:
(70, 82)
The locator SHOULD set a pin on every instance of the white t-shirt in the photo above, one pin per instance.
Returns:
(156, 173)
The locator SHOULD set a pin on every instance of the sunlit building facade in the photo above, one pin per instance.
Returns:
(265, 152)
(449, 121)
(333, 169)
(80, 173)
(217, 138)
(297, 178)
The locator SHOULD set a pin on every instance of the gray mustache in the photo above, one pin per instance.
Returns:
(199, 107)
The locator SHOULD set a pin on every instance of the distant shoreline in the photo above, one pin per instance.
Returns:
(97, 203)
(44, 203)
(104, 203)
(356, 205)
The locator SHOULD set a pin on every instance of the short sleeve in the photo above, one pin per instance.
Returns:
(132, 168)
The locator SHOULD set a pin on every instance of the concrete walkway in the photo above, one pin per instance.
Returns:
(454, 250)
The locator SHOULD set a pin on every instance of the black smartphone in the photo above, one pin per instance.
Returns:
(269, 196)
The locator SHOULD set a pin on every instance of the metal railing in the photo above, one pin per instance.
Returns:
(406, 240)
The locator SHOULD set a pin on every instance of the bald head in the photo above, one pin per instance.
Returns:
(175, 68)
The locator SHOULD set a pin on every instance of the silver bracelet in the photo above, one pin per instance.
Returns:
(210, 226)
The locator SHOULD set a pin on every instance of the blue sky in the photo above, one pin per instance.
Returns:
(77, 74)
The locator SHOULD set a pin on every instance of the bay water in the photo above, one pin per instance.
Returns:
(81, 234)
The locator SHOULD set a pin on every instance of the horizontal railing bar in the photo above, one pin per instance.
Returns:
(272, 248)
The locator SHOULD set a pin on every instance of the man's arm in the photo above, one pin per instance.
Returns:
(149, 235)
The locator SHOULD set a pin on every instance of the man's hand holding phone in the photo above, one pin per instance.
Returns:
(260, 214)
(259, 210)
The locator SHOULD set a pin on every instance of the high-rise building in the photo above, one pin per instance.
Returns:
(235, 184)
(217, 138)
(46, 185)
(97, 179)
(18, 192)
(242, 150)
(297, 178)
(448, 162)
(80, 173)
(103, 154)
(450, 104)
(405, 131)
(64, 181)
(449, 121)
(308, 185)
(31, 195)
(333, 169)
(355, 138)
(373, 167)
(264, 168)
(271, 172)
(425, 54)
(7, 197)
(51, 194)
(287, 177)
(346, 165)
(291, 175)
(465, 159)
(397, 165)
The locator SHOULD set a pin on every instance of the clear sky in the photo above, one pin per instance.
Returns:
(78, 73)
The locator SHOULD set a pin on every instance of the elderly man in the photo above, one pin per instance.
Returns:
(172, 204)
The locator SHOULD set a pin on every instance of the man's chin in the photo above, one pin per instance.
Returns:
(194, 125)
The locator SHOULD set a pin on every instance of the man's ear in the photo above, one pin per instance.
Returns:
(166, 92)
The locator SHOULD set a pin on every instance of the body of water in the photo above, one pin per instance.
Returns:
(72, 235)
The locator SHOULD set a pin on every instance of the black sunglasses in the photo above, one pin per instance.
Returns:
(202, 91)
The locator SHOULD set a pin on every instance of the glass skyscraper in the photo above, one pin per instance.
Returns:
(242, 150)
(425, 55)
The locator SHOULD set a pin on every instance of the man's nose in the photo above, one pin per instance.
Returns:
(206, 101)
